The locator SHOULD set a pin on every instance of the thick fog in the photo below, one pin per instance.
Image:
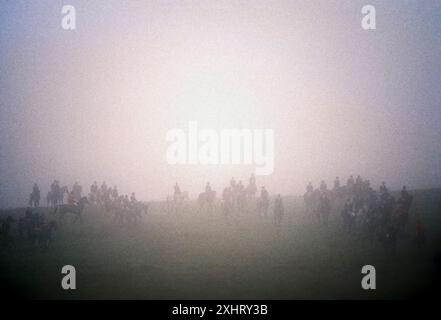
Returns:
(96, 103)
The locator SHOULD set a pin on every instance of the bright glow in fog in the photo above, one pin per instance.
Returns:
(96, 104)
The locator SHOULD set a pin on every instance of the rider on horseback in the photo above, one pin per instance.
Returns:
(115, 193)
(406, 198)
(384, 192)
(252, 181)
(77, 190)
(177, 189)
(208, 188)
(133, 198)
(94, 188)
(71, 199)
(278, 210)
(233, 184)
(263, 202)
(35, 196)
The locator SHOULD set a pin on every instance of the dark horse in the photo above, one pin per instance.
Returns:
(206, 200)
(77, 210)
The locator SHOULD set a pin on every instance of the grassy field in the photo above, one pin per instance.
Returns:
(204, 256)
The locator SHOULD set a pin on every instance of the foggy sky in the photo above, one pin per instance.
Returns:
(96, 103)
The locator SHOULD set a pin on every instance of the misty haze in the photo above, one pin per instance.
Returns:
(338, 165)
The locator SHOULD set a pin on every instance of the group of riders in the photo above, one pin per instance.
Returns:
(56, 195)
(235, 198)
(122, 207)
(101, 196)
(36, 227)
(365, 212)
(372, 215)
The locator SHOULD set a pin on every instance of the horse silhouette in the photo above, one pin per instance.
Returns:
(77, 210)
(206, 200)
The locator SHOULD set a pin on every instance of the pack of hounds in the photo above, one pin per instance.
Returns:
(374, 216)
